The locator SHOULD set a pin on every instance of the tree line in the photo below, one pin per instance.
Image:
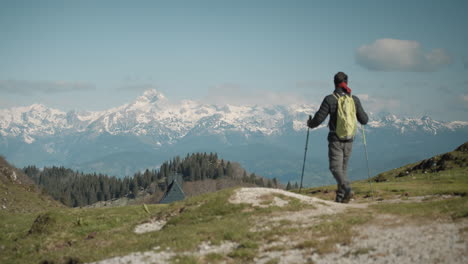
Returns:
(290, 186)
(76, 189)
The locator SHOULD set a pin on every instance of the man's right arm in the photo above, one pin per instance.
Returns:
(320, 115)
(360, 113)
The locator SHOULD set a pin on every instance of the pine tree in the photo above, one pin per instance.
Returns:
(192, 173)
(66, 198)
(134, 187)
(244, 177)
(269, 184)
(275, 183)
(219, 172)
(198, 175)
(260, 182)
(252, 178)
(229, 170)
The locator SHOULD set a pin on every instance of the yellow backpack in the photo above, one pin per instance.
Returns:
(346, 117)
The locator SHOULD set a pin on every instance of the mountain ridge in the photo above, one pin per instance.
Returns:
(267, 140)
(152, 114)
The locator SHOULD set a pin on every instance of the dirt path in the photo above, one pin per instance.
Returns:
(411, 243)
(387, 239)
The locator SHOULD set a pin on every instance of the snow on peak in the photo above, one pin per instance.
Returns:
(153, 115)
(151, 96)
(149, 100)
(426, 118)
(38, 107)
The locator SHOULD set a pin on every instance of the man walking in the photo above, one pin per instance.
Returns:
(340, 145)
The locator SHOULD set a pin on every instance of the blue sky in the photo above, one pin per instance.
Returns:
(404, 57)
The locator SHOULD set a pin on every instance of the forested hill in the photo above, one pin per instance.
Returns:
(76, 189)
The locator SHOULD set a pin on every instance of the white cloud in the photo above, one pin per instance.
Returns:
(400, 55)
(50, 87)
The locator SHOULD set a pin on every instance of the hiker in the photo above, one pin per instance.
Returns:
(339, 145)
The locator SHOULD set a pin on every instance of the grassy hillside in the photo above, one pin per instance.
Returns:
(278, 226)
(18, 194)
(445, 174)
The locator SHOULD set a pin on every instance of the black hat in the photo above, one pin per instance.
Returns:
(340, 77)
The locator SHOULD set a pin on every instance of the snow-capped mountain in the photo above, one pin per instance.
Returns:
(411, 124)
(152, 114)
(268, 140)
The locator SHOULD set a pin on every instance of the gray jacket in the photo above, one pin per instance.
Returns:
(330, 106)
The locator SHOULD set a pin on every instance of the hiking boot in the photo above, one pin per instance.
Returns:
(348, 195)
(338, 199)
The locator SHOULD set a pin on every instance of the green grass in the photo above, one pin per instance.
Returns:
(445, 174)
(23, 198)
(85, 234)
(95, 233)
(273, 261)
(451, 182)
(454, 208)
(214, 258)
(36, 229)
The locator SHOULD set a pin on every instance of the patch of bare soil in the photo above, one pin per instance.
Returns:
(257, 197)
(403, 243)
(165, 256)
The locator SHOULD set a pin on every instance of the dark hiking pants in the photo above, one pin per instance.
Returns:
(338, 156)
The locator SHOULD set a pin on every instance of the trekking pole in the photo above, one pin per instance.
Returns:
(367, 159)
(305, 154)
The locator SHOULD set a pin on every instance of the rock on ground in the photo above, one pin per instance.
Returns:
(152, 226)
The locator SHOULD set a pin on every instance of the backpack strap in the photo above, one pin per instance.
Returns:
(337, 96)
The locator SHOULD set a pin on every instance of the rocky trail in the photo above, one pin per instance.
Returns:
(385, 239)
